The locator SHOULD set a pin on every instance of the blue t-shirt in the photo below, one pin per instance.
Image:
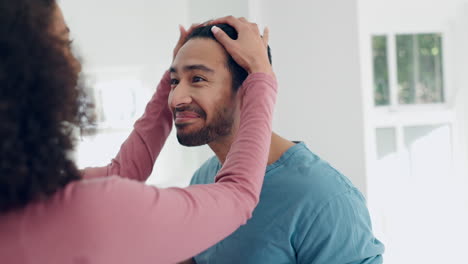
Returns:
(308, 213)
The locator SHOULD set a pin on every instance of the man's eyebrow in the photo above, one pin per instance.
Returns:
(193, 67)
(200, 67)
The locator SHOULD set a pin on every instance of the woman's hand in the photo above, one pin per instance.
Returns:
(250, 49)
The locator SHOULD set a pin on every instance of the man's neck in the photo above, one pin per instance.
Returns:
(278, 147)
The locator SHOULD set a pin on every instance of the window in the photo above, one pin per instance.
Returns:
(408, 71)
(419, 62)
(418, 68)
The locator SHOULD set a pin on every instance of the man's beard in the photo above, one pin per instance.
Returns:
(220, 127)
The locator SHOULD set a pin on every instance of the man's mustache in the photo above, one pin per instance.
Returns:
(190, 108)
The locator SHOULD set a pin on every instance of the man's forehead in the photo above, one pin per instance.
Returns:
(200, 51)
(201, 43)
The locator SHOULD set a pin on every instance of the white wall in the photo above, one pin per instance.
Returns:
(116, 32)
(315, 49)
(203, 10)
(459, 27)
(407, 15)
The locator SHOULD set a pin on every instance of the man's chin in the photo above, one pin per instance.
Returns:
(191, 140)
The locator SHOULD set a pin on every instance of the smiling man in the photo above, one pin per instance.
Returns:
(194, 126)
(308, 211)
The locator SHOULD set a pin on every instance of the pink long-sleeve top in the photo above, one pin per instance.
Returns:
(111, 216)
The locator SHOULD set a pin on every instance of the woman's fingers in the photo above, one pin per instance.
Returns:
(222, 37)
(243, 20)
(182, 34)
(249, 50)
(234, 22)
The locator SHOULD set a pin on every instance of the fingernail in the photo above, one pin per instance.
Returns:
(214, 29)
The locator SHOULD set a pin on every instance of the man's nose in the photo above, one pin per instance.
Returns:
(180, 96)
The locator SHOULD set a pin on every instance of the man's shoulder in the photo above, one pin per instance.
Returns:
(207, 172)
(308, 176)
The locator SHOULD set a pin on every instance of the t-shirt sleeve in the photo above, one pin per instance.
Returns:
(340, 232)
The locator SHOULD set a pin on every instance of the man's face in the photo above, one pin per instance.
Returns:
(201, 98)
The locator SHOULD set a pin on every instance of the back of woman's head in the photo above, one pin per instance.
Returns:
(40, 101)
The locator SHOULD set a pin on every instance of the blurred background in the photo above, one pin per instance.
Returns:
(378, 88)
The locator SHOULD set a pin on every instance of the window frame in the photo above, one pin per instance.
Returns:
(394, 105)
(398, 116)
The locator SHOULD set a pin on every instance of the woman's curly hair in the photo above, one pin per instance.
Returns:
(40, 103)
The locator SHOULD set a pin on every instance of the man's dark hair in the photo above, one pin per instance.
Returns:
(40, 101)
(239, 74)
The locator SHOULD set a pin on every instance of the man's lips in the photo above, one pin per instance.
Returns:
(184, 117)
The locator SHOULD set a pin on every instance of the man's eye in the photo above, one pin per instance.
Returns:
(174, 81)
(197, 79)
